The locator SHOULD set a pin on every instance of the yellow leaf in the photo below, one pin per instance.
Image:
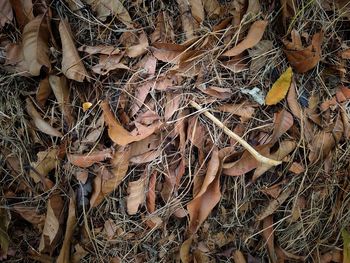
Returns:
(86, 106)
(279, 88)
(346, 248)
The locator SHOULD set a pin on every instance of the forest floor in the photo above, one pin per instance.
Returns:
(174, 131)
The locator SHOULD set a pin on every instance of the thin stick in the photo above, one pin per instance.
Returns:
(233, 135)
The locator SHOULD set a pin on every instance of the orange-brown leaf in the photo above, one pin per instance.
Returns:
(86, 160)
(279, 88)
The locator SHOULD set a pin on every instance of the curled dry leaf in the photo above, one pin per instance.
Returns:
(303, 59)
(47, 161)
(72, 66)
(151, 195)
(293, 103)
(59, 87)
(168, 52)
(86, 160)
(285, 148)
(109, 63)
(35, 45)
(136, 45)
(119, 135)
(39, 122)
(282, 123)
(275, 204)
(209, 195)
(253, 37)
(280, 88)
(43, 92)
(136, 195)
(71, 220)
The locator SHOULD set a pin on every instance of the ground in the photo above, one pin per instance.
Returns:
(116, 123)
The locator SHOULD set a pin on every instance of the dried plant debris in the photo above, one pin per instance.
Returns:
(174, 131)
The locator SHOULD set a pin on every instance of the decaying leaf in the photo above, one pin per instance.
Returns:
(279, 88)
(47, 161)
(303, 59)
(209, 195)
(119, 135)
(35, 45)
(39, 121)
(253, 37)
(136, 195)
(86, 160)
(293, 103)
(72, 66)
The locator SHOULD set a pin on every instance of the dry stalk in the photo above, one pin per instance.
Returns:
(233, 135)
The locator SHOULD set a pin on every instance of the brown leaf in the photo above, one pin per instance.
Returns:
(31, 215)
(244, 110)
(246, 163)
(151, 195)
(39, 121)
(268, 236)
(164, 29)
(172, 105)
(52, 228)
(35, 45)
(212, 8)
(86, 160)
(187, 21)
(168, 52)
(283, 121)
(136, 45)
(296, 168)
(47, 161)
(253, 37)
(293, 102)
(146, 157)
(43, 92)
(275, 204)
(6, 14)
(236, 64)
(72, 66)
(185, 250)
(303, 59)
(209, 195)
(141, 93)
(259, 54)
(109, 63)
(217, 92)
(59, 87)
(197, 10)
(5, 219)
(238, 257)
(23, 10)
(100, 49)
(64, 255)
(121, 136)
(285, 148)
(97, 129)
(136, 195)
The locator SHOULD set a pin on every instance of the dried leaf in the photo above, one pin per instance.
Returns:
(72, 66)
(285, 148)
(259, 54)
(275, 204)
(64, 255)
(185, 250)
(164, 29)
(212, 8)
(244, 110)
(109, 63)
(137, 47)
(39, 121)
(47, 161)
(293, 102)
(256, 94)
(43, 92)
(280, 88)
(100, 49)
(188, 22)
(23, 10)
(282, 123)
(303, 59)
(53, 222)
(268, 236)
(86, 160)
(35, 45)
(209, 195)
(121, 136)
(172, 105)
(238, 257)
(31, 215)
(6, 14)
(168, 52)
(197, 10)
(296, 168)
(217, 92)
(136, 195)
(59, 87)
(253, 37)
(151, 195)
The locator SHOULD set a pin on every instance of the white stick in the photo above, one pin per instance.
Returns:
(233, 135)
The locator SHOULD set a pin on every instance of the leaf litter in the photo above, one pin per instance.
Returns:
(141, 131)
